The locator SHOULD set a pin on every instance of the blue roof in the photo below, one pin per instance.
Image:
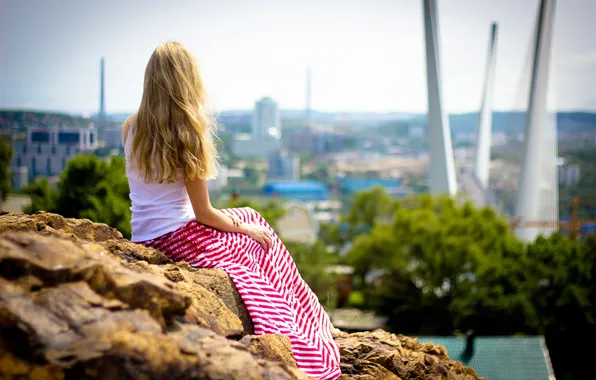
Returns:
(283, 186)
(501, 358)
(300, 190)
(354, 185)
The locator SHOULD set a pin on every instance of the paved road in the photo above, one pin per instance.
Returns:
(15, 203)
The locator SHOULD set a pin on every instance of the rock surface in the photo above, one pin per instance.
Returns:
(381, 355)
(79, 301)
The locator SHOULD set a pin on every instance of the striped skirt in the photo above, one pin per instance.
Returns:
(277, 298)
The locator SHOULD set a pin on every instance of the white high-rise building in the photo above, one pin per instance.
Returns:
(266, 120)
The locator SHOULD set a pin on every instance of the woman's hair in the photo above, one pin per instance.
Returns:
(172, 133)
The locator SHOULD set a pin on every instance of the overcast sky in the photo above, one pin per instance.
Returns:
(365, 55)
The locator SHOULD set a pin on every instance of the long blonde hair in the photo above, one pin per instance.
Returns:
(173, 134)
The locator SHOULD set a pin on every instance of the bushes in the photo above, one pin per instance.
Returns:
(88, 188)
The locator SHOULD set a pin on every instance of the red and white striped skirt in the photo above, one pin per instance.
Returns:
(277, 298)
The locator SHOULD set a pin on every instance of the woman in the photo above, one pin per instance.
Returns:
(170, 154)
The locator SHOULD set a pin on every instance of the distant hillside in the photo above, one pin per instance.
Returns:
(568, 123)
(24, 119)
(512, 123)
(21, 120)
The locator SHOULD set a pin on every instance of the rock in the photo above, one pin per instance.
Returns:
(134, 252)
(89, 316)
(216, 304)
(79, 301)
(372, 353)
(53, 224)
(55, 261)
(273, 347)
(206, 309)
(218, 282)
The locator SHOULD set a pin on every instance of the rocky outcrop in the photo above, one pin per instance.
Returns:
(381, 355)
(79, 301)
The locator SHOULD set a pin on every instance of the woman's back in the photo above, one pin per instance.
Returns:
(157, 208)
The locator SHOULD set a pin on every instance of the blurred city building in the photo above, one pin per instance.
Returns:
(248, 148)
(579, 141)
(218, 183)
(265, 132)
(234, 177)
(113, 137)
(317, 140)
(20, 177)
(47, 150)
(375, 165)
(327, 211)
(283, 166)
(298, 224)
(568, 174)
(266, 120)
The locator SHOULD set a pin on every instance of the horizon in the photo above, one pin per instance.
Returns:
(297, 110)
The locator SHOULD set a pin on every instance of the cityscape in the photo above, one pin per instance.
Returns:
(471, 230)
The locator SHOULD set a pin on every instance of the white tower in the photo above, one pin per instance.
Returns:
(442, 167)
(537, 198)
(266, 120)
(483, 133)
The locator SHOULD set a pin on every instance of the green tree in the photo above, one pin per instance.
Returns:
(43, 197)
(88, 188)
(5, 174)
(439, 266)
(366, 210)
(427, 260)
(561, 273)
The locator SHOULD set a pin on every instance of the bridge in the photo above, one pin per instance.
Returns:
(536, 211)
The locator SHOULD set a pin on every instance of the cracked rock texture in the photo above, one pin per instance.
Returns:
(77, 301)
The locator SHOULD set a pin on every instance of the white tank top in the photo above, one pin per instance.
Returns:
(157, 208)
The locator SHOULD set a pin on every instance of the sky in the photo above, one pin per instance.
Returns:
(364, 55)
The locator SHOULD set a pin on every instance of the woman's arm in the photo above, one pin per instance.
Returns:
(214, 218)
(207, 214)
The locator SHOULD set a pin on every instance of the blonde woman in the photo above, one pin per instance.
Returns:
(170, 154)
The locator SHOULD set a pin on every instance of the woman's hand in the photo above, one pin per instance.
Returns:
(260, 234)
(237, 222)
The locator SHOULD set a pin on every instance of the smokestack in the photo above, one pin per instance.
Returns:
(307, 116)
(102, 103)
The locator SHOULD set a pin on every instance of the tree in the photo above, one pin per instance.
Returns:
(562, 275)
(88, 188)
(427, 260)
(43, 197)
(439, 266)
(367, 209)
(5, 174)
